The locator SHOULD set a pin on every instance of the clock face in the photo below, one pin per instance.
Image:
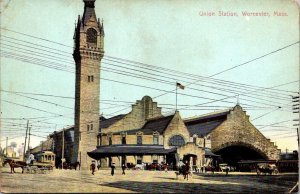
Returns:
(91, 35)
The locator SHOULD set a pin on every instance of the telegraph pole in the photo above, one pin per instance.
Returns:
(296, 101)
(29, 139)
(25, 140)
(63, 149)
(6, 146)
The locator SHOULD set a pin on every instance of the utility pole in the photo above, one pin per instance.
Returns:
(295, 99)
(29, 139)
(298, 136)
(6, 146)
(25, 140)
(63, 149)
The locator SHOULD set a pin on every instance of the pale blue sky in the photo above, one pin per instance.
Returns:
(168, 34)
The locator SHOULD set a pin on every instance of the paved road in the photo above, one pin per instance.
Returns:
(142, 181)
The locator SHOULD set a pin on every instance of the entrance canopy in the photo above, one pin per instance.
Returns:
(117, 150)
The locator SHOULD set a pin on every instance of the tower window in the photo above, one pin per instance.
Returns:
(90, 78)
(91, 35)
(88, 127)
(91, 127)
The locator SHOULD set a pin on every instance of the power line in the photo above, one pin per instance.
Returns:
(144, 65)
(223, 95)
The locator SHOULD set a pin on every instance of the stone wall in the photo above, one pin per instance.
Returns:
(237, 130)
(142, 110)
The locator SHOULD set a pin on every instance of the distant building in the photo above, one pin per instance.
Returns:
(10, 152)
(289, 155)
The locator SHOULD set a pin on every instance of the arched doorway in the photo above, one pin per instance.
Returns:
(232, 154)
(190, 158)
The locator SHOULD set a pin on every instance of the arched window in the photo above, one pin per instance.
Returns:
(176, 140)
(91, 35)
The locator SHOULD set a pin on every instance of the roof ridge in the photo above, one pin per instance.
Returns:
(207, 114)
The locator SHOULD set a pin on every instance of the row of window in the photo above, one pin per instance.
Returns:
(139, 140)
(175, 140)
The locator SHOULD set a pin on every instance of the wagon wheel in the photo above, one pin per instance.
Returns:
(27, 169)
(276, 171)
(34, 169)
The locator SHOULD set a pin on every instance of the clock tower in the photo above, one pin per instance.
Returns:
(88, 52)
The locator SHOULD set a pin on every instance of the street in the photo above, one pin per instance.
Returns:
(143, 181)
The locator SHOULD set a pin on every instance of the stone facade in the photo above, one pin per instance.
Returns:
(88, 52)
(145, 121)
(237, 130)
(141, 111)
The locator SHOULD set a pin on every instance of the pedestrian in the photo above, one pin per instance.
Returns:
(93, 167)
(166, 167)
(112, 169)
(123, 168)
(227, 170)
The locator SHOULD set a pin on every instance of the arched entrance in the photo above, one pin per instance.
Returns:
(190, 158)
(234, 153)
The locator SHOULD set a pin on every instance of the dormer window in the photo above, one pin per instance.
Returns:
(109, 139)
(155, 138)
(139, 138)
(195, 138)
(123, 140)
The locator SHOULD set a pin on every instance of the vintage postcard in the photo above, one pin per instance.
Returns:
(140, 96)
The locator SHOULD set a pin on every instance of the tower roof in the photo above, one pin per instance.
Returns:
(89, 11)
(90, 3)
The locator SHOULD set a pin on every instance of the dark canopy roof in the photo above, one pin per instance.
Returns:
(208, 152)
(115, 150)
(203, 125)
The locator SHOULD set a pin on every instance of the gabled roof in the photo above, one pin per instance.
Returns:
(204, 124)
(104, 123)
(158, 124)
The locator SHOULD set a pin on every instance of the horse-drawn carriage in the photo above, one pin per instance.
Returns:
(38, 167)
(44, 163)
(265, 168)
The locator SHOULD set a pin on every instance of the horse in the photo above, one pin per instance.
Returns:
(75, 165)
(14, 164)
(185, 171)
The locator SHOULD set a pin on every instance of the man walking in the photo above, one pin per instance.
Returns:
(123, 168)
(93, 167)
(112, 169)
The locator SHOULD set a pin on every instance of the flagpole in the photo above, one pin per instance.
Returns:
(176, 97)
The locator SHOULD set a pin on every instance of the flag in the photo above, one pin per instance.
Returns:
(179, 85)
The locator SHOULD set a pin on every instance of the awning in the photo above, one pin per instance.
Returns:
(116, 150)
